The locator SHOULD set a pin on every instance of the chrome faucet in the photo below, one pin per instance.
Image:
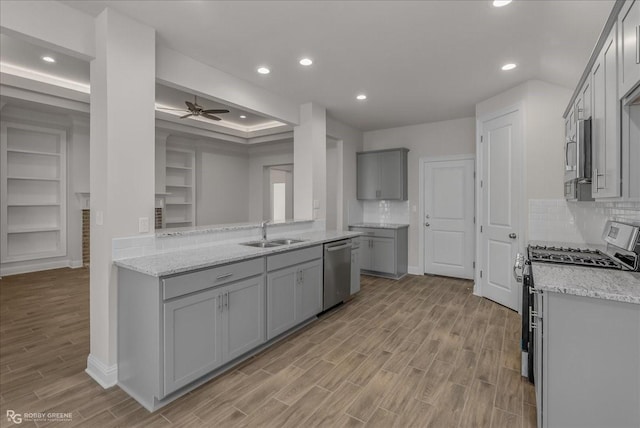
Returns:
(263, 225)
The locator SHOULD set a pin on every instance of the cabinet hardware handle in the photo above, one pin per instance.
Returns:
(227, 299)
(596, 175)
(220, 302)
(638, 44)
(226, 275)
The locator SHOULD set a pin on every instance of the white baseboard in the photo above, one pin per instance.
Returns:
(33, 267)
(106, 376)
(414, 270)
(74, 264)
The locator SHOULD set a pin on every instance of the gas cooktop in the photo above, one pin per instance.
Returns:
(571, 256)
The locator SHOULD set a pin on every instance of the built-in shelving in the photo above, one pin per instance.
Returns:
(32, 192)
(180, 185)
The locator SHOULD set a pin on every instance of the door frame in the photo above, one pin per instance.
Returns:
(524, 211)
(423, 161)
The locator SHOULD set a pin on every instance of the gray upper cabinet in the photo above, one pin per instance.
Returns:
(606, 128)
(629, 41)
(382, 175)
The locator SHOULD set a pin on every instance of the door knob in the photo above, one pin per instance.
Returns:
(513, 235)
(427, 224)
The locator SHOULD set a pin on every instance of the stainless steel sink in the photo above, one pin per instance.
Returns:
(271, 243)
(261, 244)
(285, 241)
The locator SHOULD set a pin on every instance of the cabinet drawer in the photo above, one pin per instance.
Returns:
(188, 283)
(279, 261)
(381, 233)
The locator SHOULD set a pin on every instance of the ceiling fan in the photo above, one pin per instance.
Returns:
(194, 109)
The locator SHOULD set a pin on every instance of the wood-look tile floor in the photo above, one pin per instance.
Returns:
(418, 352)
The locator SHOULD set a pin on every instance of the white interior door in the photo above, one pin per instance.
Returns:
(501, 189)
(448, 224)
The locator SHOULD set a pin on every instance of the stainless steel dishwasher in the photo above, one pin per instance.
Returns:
(337, 273)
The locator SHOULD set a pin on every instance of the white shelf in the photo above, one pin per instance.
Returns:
(177, 221)
(184, 186)
(179, 203)
(33, 192)
(184, 168)
(32, 152)
(32, 178)
(35, 204)
(32, 229)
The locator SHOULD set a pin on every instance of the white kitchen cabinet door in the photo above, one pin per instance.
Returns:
(192, 345)
(281, 301)
(309, 291)
(383, 255)
(355, 270)
(629, 41)
(605, 126)
(243, 317)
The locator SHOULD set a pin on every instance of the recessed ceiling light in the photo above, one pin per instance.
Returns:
(242, 116)
(263, 70)
(500, 3)
(48, 59)
(509, 66)
(306, 61)
(361, 97)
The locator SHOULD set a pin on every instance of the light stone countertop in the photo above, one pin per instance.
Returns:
(608, 284)
(380, 225)
(181, 261)
(193, 230)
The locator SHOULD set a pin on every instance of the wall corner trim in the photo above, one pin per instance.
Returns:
(414, 270)
(106, 376)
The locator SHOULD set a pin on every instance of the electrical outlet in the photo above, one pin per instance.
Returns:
(99, 218)
(143, 224)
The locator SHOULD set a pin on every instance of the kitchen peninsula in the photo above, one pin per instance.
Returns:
(188, 314)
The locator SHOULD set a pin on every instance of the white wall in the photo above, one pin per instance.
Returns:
(350, 141)
(77, 127)
(333, 193)
(261, 156)
(543, 105)
(450, 137)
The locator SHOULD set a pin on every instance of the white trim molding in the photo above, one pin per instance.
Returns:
(414, 270)
(106, 376)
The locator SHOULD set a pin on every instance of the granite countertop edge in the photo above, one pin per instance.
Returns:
(606, 284)
(186, 260)
(380, 225)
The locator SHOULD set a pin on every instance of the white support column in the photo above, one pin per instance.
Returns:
(310, 163)
(122, 167)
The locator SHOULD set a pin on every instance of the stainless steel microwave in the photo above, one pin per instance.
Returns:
(577, 164)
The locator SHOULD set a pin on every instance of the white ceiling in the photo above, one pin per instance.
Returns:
(417, 61)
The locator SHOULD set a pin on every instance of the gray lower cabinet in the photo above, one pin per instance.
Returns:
(192, 338)
(294, 289)
(205, 330)
(587, 362)
(383, 251)
(355, 266)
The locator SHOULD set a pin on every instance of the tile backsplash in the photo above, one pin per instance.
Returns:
(385, 212)
(579, 222)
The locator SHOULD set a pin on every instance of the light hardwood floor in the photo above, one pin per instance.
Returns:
(418, 352)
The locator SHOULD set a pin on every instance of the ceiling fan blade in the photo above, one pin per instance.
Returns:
(186, 115)
(171, 109)
(215, 111)
(191, 105)
(210, 116)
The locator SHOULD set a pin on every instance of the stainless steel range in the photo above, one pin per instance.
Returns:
(622, 252)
